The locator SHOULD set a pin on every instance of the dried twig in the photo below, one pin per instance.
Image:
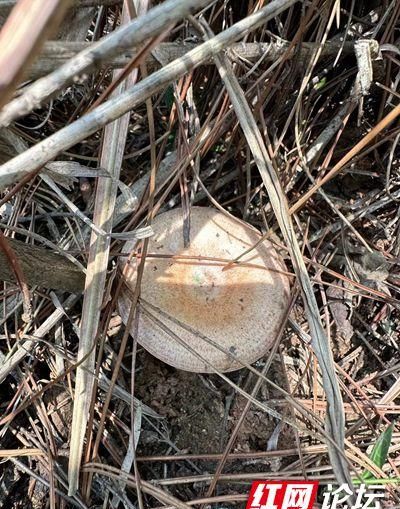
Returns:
(42, 267)
(56, 53)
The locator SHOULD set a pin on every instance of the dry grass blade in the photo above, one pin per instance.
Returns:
(111, 159)
(9, 364)
(44, 151)
(25, 30)
(72, 501)
(320, 343)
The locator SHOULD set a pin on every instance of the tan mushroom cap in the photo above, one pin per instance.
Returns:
(240, 308)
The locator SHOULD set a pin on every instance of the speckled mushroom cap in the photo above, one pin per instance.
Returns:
(241, 308)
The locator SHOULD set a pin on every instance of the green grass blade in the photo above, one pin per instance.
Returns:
(379, 452)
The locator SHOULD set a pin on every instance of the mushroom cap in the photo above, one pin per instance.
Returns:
(240, 308)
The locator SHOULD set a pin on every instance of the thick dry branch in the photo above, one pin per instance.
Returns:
(56, 53)
(42, 267)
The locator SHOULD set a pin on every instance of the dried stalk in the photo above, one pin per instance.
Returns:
(111, 160)
(56, 53)
(335, 415)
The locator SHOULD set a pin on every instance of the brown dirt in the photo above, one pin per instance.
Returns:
(199, 410)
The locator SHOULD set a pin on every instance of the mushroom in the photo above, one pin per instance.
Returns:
(188, 292)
